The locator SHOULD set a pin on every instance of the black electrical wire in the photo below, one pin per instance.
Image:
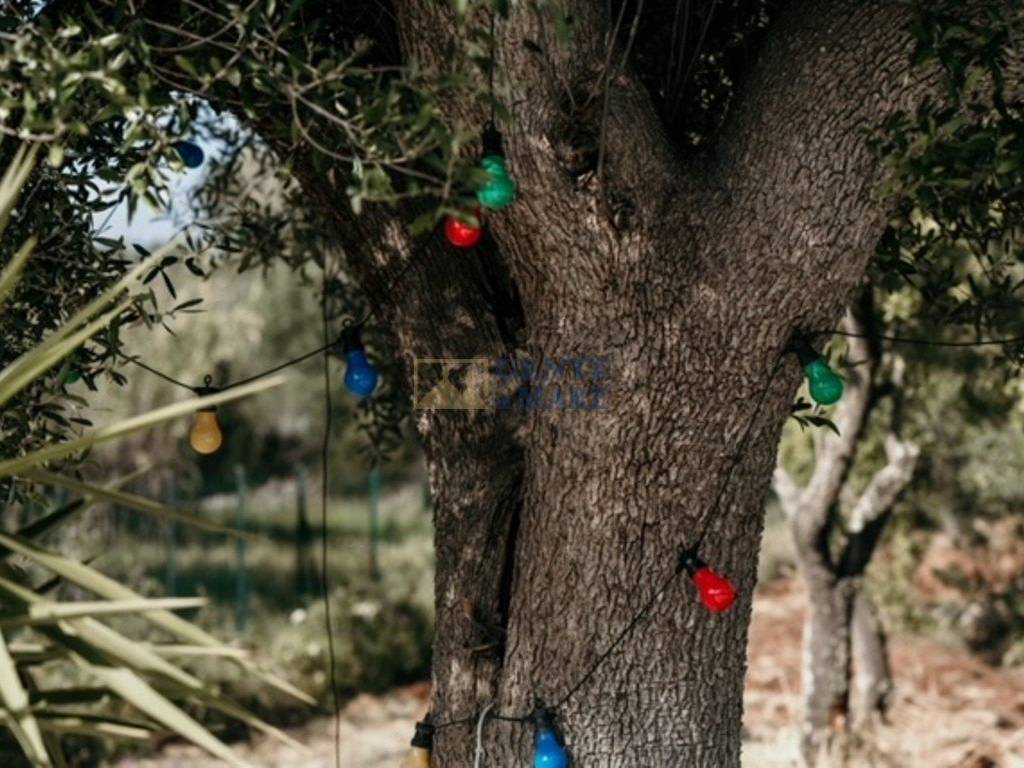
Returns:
(134, 360)
(493, 64)
(324, 548)
(327, 345)
(738, 456)
(159, 374)
(294, 361)
(920, 342)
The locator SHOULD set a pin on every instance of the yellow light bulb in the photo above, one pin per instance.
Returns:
(422, 744)
(206, 436)
(418, 757)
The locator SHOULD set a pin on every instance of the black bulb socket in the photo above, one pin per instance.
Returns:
(544, 719)
(690, 562)
(805, 353)
(203, 392)
(424, 736)
(352, 339)
(493, 143)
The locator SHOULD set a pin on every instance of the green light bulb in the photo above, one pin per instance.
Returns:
(500, 190)
(826, 387)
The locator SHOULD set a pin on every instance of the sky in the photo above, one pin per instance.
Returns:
(152, 228)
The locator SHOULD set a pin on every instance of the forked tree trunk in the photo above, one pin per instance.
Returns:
(846, 681)
(553, 528)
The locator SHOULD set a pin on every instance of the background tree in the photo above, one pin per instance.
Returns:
(847, 680)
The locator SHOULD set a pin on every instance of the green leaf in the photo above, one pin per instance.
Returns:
(12, 272)
(138, 503)
(133, 689)
(48, 613)
(16, 704)
(103, 586)
(14, 179)
(58, 722)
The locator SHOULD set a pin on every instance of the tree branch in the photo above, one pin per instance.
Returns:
(887, 484)
(787, 490)
(811, 509)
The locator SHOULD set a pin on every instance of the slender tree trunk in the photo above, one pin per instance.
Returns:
(846, 674)
(827, 669)
(872, 673)
(846, 669)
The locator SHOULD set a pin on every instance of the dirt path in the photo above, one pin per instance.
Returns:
(950, 711)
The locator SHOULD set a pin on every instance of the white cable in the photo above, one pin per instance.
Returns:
(478, 761)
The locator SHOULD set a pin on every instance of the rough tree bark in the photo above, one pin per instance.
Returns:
(844, 644)
(556, 527)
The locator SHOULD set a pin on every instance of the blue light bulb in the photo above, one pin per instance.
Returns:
(191, 155)
(360, 376)
(550, 752)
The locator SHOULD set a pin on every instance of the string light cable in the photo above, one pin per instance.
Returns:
(922, 342)
(349, 327)
(325, 584)
(478, 759)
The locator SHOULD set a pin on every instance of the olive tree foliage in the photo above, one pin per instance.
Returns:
(71, 94)
(110, 92)
(954, 175)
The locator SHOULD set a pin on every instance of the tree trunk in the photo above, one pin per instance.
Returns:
(846, 670)
(872, 673)
(827, 668)
(692, 299)
(846, 674)
(553, 528)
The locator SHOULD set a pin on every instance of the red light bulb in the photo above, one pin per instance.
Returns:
(716, 592)
(462, 234)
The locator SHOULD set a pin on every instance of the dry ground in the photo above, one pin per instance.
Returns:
(950, 711)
